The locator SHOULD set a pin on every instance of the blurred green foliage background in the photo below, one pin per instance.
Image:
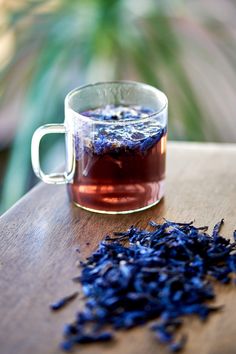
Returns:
(185, 48)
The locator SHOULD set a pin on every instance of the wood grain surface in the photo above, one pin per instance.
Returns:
(40, 233)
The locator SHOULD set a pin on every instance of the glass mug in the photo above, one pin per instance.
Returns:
(112, 166)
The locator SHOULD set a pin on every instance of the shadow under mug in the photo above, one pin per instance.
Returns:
(105, 174)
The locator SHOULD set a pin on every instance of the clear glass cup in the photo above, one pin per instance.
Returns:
(112, 166)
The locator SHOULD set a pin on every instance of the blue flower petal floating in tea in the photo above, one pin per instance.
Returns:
(160, 274)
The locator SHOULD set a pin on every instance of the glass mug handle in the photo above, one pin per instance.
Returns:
(52, 178)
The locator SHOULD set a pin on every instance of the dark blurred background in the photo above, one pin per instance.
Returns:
(185, 48)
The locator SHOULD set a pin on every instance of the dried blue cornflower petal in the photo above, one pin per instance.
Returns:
(162, 274)
(217, 228)
(176, 347)
(63, 302)
(70, 330)
(92, 338)
(67, 345)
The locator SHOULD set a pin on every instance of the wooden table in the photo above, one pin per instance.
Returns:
(40, 233)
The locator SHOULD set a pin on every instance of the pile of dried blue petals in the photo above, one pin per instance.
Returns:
(140, 275)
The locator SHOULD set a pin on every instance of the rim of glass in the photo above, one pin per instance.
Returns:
(156, 91)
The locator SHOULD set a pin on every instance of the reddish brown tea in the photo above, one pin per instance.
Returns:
(120, 174)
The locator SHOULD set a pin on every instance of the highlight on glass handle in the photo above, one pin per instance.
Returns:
(52, 178)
